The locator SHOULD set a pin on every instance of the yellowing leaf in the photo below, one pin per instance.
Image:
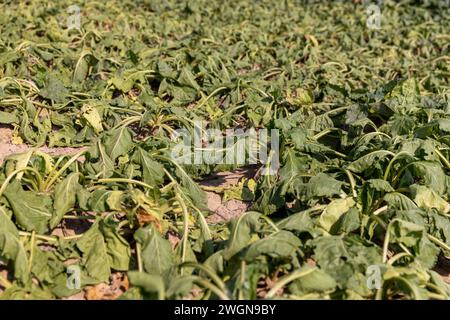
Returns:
(427, 198)
(244, 190)
(334, 211)
(92, 116)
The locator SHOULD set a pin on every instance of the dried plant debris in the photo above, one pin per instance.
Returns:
(359, 208)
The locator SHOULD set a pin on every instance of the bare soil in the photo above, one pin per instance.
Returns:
(7, 148)
(225, 211)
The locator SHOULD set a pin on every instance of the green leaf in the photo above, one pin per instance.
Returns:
(180, 287)
(431, 174)
(99, 200)
(380, 185)
(414, 236)
(192, 190)
(346, 259)
(399, 201)
(117, 247)
(365, 162)
(348, 222)
(32, 210)
(11, 247)
(9, 117)
(28, 292)
(323, 185)
(157, 254)
(293, 164)
(334, 211)
(152, 171)
(299, 222)
(118, 142)
(149, 283)
(64, 197)
(316, 281)
(95, 258)
(54, 89)
(105, 165)
(242, 230)
(281, 244)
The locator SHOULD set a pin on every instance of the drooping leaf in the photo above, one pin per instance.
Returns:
(281, 244)
(95, 258)
(152, 171)
(157, 255)
(242, 230)
(11, 247)
(32, 211)
(117, 247)
(366, 161)
(334, 211)
(64, 197)
(118, 142)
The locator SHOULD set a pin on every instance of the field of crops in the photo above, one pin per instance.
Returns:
(95, 205)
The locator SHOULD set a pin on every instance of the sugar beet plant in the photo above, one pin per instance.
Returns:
(359, 208)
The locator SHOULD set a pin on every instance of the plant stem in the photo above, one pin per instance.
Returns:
(210, 96)
(388, 169)
(52, 178)
(5, 283)
(205, 230)
(287, 279)
(9, 178)
(213, 288)
(398, 256)
(48, 238)
(380, 210)
(78, 217)
(386, 243)
(444, 159)
(139, 257)
(214, 277)
(438, 242)
(352, 182)
(124, 180)
(270, 222)
(184, 241)
(242, 280)
(33, 239)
